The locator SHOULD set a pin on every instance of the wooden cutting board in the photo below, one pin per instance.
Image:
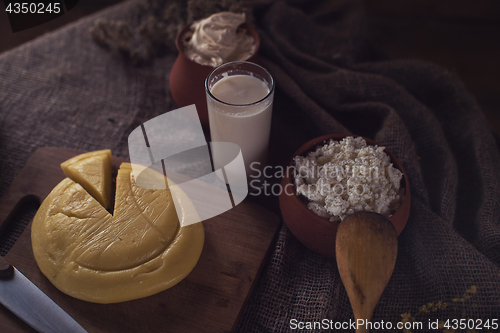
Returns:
(209, 299)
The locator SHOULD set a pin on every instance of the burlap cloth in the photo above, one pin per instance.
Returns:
(64, 90)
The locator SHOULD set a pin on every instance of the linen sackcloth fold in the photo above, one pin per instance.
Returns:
(64, 90)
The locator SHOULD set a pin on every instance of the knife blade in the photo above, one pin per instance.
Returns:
(25, 300)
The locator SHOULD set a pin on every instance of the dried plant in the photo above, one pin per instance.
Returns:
(150, 30)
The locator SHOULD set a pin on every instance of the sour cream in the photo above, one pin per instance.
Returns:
(217, 39)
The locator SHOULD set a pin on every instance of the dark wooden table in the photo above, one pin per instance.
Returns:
(459, 35)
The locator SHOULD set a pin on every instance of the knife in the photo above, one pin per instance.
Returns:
(30, 304)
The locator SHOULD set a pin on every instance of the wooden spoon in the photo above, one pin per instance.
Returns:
(366, 250)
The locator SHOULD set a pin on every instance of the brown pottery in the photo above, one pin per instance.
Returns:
(318, 233)
(187, 78)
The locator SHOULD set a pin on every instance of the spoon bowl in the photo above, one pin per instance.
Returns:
(366, 251)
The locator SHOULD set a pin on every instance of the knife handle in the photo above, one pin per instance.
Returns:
(6, 269)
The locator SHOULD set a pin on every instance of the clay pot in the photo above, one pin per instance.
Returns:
(318, 233)
(187, 78)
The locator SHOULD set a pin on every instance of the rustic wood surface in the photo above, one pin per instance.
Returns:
(208, 300)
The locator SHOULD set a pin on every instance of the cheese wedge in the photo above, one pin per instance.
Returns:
(92, 171)
(94, 256)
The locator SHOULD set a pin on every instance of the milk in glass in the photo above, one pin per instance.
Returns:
(240, 109)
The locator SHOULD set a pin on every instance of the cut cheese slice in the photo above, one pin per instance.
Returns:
(138, 251)
(92, 171)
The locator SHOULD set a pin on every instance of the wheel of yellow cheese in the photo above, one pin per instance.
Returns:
(94, 256)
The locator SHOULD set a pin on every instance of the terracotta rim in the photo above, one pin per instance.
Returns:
(308, 146)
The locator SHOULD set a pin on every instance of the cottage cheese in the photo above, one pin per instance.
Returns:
(344, 177)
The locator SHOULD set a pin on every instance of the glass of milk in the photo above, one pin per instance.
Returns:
(240, 101)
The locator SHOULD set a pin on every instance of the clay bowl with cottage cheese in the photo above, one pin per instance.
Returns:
(316, 232)
(187, 77)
